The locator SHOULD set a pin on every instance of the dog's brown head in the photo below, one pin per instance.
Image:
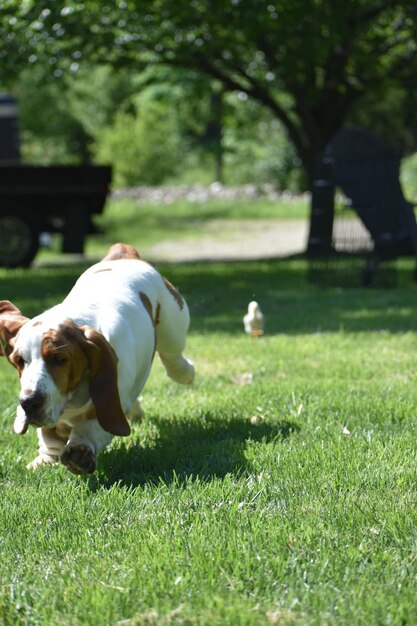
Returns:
(52, 363)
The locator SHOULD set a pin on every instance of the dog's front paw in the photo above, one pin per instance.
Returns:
(79, 459)
(42, 459)
(136, 413)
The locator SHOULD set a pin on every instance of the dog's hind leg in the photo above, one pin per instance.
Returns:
(180, 369)
(171, 324)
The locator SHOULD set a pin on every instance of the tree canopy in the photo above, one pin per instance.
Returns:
(308, 61)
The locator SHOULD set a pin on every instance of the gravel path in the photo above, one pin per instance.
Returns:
(235, 240)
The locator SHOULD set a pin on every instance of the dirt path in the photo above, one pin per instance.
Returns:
(234, 240)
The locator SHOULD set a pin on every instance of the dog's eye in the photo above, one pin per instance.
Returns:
(58, 360)
(20, 362)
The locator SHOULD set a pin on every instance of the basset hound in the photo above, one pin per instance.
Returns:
(83, 363)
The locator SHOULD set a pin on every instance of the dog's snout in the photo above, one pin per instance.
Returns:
(32, 403)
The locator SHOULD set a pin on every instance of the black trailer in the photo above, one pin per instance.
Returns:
(48, 199)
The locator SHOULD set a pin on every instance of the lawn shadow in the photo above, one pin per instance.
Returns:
(37, 289)
(218, 294)
(186, 449)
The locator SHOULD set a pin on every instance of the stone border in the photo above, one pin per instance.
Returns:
(202, 193)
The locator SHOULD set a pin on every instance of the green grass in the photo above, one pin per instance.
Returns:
(146, 224)
(280, 489)
(152, 223)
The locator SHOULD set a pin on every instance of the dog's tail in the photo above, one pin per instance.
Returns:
(121, 251)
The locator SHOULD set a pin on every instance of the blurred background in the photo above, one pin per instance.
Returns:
(233, 91)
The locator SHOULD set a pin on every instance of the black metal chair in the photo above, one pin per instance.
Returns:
(367, 172)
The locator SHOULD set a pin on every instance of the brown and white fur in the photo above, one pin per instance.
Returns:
(83, 363)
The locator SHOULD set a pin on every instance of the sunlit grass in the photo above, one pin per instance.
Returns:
(279, 489)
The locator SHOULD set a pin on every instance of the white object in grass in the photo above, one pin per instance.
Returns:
(254, 321)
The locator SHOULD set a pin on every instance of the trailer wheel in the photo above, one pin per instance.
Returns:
(19, 238)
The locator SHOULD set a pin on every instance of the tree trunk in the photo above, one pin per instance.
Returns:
(213, 135)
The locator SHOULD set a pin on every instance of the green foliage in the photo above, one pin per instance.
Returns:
(59, 119)
(409, 177)
(390, 114)
(142, 148)
(256, 147)
(94, 93)
(307, 62)
(50, 133)
(151, 127)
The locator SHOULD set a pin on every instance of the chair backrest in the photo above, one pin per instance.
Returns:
(368, 173)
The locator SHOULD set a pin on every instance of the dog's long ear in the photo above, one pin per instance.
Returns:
(104, 393)
(11, 321)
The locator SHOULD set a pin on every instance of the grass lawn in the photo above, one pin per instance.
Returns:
(147, 224)
(280, 489)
